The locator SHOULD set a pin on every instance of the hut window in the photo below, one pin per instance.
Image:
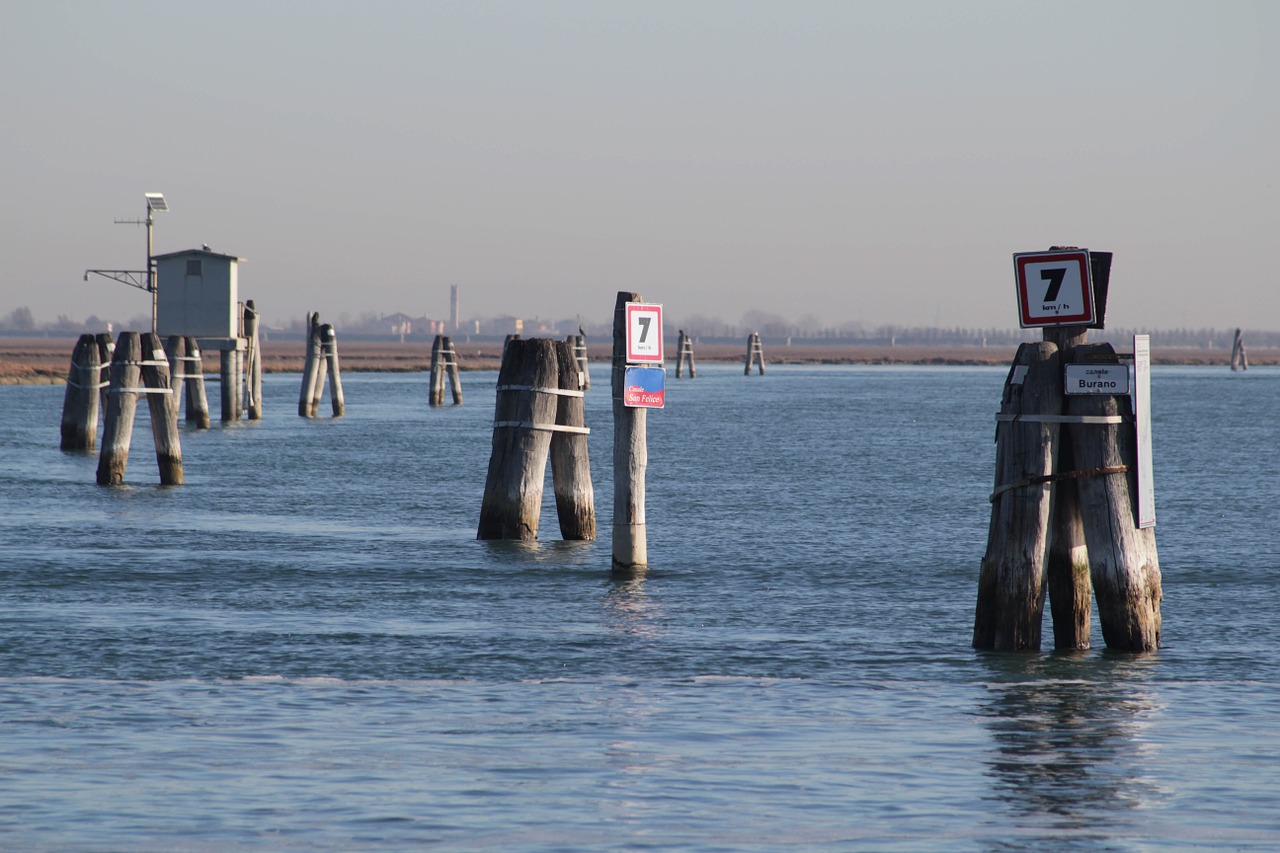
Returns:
(193, 268)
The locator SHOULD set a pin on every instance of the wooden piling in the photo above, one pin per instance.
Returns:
(253, 367)
(196, 398)
(80, 402)
(106, 349)
(451, 369)
(175, 348)
(570, 464)
(584, 363)
(122, 401)
(1067, 557)
(684, 355)
(1239, 358)
(330, 343)
(512, 501)
(1011, 581)
(755, 354)
(162, 404)
(630, 458)
(1124, 565)
(435, 396)
(310, 368)
(230, 373)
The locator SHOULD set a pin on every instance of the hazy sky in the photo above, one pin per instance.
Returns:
(856, 161)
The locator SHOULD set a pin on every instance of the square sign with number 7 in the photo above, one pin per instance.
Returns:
(1054, 288)
(644, 332)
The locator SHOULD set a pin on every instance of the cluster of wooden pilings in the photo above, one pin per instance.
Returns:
(1239, 358)
(444, 364)
(109, 376)
(755, 354)
(139, 366)
(540, 411)
(684, 355)
(322, 361)
(1063, 512)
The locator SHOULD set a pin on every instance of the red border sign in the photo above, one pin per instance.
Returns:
(644, 332)
(1054, 288)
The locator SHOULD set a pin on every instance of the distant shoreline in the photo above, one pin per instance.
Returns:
(44, 361)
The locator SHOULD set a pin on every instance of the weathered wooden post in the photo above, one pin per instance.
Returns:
(197, 399)
(1011, 581)
(162, 403)
(755, 353)
(630, 457)
(580, 352)
(230, 375)
(451, 369)
(336, 399)
(307, 396)
(523, 417)
(1239, 359)
(684, 355)
(106, 349)
(80, 402)
(253, 368)
(1067, 558)
(1124, 566)
(122, 401)
(570, 464)
(436, 395)
(176, 350)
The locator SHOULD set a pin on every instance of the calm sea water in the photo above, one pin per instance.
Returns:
(304, 647)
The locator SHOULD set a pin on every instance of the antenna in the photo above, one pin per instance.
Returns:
(141, 279)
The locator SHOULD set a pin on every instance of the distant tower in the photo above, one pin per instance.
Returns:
(453, 305)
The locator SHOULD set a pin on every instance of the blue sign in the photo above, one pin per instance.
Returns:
(645, 388)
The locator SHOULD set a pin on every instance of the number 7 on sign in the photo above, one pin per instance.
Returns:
(644, 332)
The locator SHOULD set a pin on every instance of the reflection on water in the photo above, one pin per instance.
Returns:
(1069, 738)
(630, 608)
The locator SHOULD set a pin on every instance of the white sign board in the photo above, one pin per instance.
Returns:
(1142, 422)
(1054, 288)
(1096, 379)
(644, 333)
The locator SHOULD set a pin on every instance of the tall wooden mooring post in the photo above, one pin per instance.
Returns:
(1072, 509)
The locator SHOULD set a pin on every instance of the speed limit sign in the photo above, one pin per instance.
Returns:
(1054, 288)
(644, 332)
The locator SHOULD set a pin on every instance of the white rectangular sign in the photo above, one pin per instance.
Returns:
(644, 332)
(1142, 423)
(1096, 379)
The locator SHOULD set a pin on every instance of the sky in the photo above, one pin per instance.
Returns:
(845, 162)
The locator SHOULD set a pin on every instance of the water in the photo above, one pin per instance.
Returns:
(304, 648)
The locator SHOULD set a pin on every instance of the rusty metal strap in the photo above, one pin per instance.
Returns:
(1065, 475)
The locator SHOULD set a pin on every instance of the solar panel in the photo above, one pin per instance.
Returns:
(155, 201)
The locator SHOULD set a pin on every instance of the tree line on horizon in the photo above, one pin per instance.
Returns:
(771, 327)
